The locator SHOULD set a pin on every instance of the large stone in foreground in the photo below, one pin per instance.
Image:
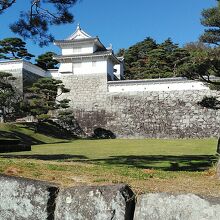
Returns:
(162, 206)
(114, 202)
(22, 198)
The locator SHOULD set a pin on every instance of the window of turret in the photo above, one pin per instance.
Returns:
(77, 65)
(77, 50)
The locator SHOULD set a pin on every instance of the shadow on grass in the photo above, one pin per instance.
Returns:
(163, 162)
(20, 136)
(191, 163)
(47, 129)
(50, 129)
(46, 157)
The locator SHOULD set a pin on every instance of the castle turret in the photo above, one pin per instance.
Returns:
(85, 67)
(83, 54)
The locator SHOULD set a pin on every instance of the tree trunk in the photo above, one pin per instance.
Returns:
(218, 169)
(218, 146)
(218, 164)
(2, 115)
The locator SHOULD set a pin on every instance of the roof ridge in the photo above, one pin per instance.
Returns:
(78, 34)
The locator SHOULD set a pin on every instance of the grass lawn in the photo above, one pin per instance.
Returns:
(191, 155)
(149, 165)
(48, 133)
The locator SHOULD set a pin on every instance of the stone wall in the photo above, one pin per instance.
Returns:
(86, 91)
(143, 114)
(162, 115)
(29, 78)
(22, 198)
(152, 115)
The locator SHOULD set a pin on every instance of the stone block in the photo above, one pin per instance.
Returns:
(95, 203)
(162, 206)
(22, 199)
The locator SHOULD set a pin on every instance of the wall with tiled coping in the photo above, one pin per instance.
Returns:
(140, 114)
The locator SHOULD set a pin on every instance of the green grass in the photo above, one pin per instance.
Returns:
(147, 165)
(185, 154)
(27, 134)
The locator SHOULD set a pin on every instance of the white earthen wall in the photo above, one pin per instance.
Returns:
(78, 49)
(119, 70)
(84, 68)
(34, 69)
(110, 68)
(10, 66)
(178, 86)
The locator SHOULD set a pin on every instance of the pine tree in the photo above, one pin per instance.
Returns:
(204, 61)
(14, 48)
(136, 58)
(35, 20)
(147, 59)
(42, 97)
(46, 61)
(211, 20)
(10, 98)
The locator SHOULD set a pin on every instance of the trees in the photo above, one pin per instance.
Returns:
(202, 63)
(38, 100)
(147, 59)
(10, 98)
(162, 61)
(4, 4)
(211, 20)
(14, 48)
(136, 58)
(42, 97)
(34, 22)
(46, 61)
(204, 60)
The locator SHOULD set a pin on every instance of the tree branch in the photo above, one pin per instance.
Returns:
(36, 3)
(47, 11)
(5, 5)
(208, 80)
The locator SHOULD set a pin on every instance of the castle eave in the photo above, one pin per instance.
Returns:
(72, 58)
(94, 40)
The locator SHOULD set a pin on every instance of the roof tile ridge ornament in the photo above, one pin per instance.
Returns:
(110, 48)
(78, 27)
(78, 34)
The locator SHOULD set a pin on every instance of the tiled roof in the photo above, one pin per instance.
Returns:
(97, 53)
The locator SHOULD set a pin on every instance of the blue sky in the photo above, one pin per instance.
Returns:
(124, 23)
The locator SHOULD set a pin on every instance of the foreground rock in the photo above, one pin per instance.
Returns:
(22, 198)
(161, 206)
(96, 203)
